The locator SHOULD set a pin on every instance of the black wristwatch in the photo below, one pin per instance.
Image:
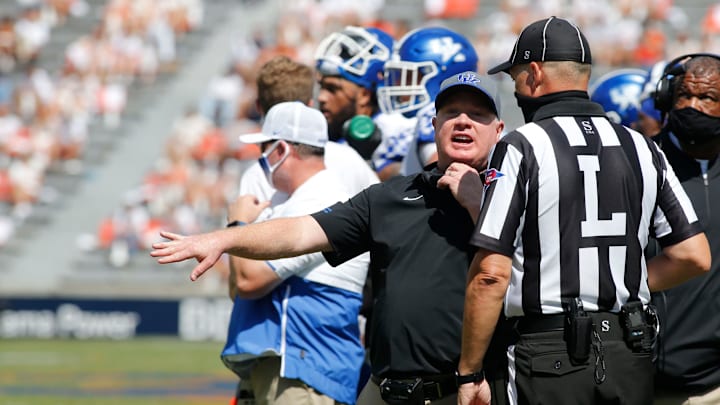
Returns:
(236, 223)
(469, 378)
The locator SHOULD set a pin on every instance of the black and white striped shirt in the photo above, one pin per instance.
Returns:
(573, 199)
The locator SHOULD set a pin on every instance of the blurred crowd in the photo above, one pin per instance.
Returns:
(621, 32)
(45, 116)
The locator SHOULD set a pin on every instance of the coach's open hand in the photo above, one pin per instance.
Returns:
(205, 248)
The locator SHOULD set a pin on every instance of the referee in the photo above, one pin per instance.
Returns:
(571, 200)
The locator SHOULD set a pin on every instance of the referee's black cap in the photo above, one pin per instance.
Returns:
(470, 80)
(551, 39)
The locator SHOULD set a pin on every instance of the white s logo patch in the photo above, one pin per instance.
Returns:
(605, 325)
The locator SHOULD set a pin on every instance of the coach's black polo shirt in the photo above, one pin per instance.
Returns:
(417, 236)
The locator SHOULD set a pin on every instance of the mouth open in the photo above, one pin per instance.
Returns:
(461, 139)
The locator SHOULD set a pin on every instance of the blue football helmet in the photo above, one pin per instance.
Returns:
(356, 54)
(653, 76)
(619, 93)
(647, 98)
(421, 60)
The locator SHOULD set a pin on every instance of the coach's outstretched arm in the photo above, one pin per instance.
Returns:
(274, 239)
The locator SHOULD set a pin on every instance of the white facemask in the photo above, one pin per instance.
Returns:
(267, 168)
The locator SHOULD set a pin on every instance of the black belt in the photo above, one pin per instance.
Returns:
(607, 324)
(434, 386)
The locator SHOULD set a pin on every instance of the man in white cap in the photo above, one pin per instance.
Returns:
(294, 327)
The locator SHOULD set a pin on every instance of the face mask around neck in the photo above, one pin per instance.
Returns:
(530, 105)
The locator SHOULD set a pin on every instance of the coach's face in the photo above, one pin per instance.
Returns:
(699, 91)
(466, 129)
(696, 112)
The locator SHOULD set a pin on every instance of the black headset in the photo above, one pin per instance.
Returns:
(673, 71)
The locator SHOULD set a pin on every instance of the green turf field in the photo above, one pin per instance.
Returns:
(141, 371)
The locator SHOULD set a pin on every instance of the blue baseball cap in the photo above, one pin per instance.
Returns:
(470, 80)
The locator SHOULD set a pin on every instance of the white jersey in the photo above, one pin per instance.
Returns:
(340, 159)
(320, 191)
(422, 144)
(397, 133)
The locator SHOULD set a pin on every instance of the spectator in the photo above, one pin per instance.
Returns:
(187, 132)
(651, 47)
(688, 362)
(8, 45)
(221, 101)
(32, 33)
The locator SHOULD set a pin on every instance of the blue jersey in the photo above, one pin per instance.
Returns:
(422, 143)
(397, 132)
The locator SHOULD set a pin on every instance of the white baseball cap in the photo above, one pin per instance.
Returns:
(291, 121)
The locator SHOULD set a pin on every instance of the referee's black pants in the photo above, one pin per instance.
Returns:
(540, 372)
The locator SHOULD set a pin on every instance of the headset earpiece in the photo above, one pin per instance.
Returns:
(666, 87)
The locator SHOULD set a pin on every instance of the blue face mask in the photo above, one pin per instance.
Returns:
(267, 168)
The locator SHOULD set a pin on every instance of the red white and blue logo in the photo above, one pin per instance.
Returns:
(492, 175)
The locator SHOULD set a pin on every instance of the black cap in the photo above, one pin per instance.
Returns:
(551, 39)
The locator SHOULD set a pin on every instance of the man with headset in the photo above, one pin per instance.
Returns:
(688, 347)
(570, 202)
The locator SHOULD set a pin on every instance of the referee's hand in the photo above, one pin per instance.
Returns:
(474, 393)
